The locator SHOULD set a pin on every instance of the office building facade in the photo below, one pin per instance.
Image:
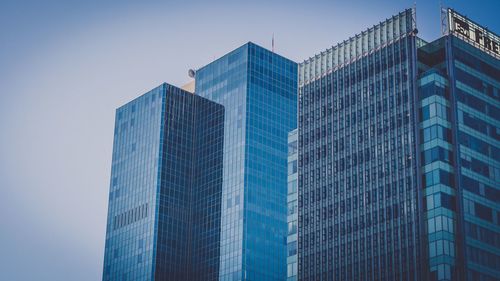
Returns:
(459, 114)
(258, 89)
(166, 182)
(398, 155)
(358, 213)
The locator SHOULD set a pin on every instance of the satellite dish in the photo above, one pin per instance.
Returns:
(191, 73)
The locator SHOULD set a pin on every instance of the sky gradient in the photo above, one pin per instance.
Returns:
(65, 66)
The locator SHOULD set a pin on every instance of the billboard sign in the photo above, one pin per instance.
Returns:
(473, 33)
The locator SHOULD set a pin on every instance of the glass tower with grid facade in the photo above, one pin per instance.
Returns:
(358, 199)
(399, 172)
(258, 90)
(459, 146)
(291, 259)
(166, 184)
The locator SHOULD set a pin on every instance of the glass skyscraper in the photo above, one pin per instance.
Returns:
(459, 146)
(399, 155)
(258, 90)
(358, 213)
(166, 183)
(377, 159)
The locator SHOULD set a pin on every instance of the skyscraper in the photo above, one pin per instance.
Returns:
(166, 183)
(398, 155)
(258, 90)
(199, 181)
(358, 212)
(459, 127)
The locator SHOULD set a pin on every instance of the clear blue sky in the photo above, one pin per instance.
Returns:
(66, 65)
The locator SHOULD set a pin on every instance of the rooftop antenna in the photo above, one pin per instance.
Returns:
(272, 43)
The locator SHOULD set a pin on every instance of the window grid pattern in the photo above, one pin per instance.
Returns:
(165, 188)
(258, 89)
(130, 248)
(358, 217)
(437, 158)
(292, 265)
(477, 91)
(459, 100)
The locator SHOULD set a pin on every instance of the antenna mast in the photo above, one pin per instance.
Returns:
(272, 43)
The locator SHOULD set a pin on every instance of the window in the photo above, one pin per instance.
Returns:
(292, 227)
(434, 110)
(478, 145)
(292, 167)
(292, 187)
(436, 132)
(438, 177)
(437, 154)
(483, 212)
(441, 247)
(292, 148)
(292, 269)
(292, 248)
(448, 201)
(292, 207)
